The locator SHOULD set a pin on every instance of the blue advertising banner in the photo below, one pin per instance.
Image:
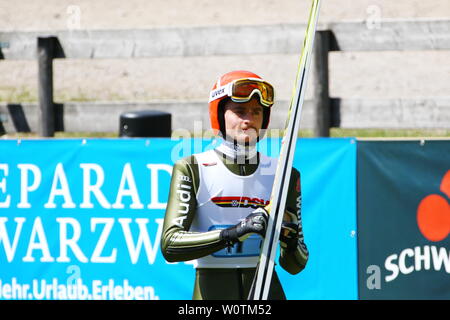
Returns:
(328, 171)
(82, 219)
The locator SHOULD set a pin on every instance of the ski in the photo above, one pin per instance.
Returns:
(263, 276)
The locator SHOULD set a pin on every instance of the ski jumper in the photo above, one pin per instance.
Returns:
(209, 192)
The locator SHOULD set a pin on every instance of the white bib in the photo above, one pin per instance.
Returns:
(224, 199)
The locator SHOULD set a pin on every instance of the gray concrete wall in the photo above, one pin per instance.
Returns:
(403, 35)
(170, 79)
(142, 14)
(193, 116)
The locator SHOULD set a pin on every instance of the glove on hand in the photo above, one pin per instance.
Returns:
(289, 236)
(256, 222)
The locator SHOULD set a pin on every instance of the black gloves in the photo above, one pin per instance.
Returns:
(256, 222)
(289, 236)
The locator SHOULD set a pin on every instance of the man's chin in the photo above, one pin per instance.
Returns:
(243, 137)
(246, 139)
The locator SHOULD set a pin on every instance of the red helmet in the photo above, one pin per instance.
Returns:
(240, 86)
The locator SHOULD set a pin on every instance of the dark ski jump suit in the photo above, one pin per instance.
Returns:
(223, 272)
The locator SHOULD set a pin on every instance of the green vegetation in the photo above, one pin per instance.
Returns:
(389, 133)
(335, 132)
(17, 95)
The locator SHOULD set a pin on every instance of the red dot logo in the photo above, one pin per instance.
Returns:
(433, 213)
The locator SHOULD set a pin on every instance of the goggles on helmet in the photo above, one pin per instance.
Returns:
(242, 90)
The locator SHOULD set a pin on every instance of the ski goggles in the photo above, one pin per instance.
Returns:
(242, 90)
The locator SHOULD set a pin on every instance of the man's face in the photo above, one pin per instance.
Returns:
(243, 121)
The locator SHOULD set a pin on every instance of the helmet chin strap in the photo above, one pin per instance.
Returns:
(234, 150)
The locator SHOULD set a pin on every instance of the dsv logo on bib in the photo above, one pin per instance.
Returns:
(433, 220)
